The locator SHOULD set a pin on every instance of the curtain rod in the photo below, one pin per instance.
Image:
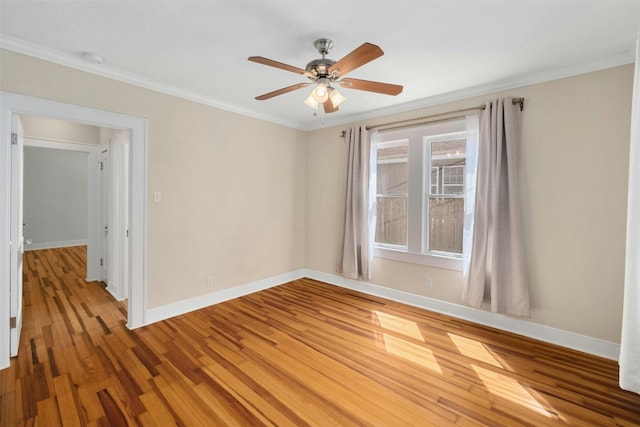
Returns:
(427, 119)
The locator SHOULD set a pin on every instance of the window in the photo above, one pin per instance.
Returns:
(420, 192)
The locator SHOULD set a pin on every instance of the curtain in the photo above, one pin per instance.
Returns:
(359, 212)
(630, 342)
(496, 265)
(471, 167)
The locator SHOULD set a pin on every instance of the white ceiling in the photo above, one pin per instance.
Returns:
(439, 50)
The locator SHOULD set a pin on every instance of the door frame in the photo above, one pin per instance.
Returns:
(11, 103)
(16, 226)
(104, 216)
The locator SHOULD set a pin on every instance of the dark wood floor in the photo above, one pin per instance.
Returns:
(304, 353)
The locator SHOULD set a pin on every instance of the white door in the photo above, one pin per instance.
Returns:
(16, 233)
(123, 242)
(104, 216)
(118, 215)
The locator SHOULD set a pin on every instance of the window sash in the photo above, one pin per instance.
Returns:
(419, 192)
(427, 143)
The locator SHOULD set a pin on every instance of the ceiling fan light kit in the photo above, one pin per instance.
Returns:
(324, 71)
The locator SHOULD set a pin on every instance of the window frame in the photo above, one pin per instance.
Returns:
(419, 161)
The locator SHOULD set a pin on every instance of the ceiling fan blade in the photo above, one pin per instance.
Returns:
(384, 88)
(365, 53)
(276, 64)
(281, 91)
(329, 107)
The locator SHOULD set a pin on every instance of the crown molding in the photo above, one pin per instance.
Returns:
(72, 61)
(595, 63)
(586, 65)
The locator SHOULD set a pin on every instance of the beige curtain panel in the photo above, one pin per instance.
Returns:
(356, 251)
(497, 270)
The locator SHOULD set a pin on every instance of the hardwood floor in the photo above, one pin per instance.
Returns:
(301, 354)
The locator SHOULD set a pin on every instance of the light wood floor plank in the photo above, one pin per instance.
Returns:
(302, 354)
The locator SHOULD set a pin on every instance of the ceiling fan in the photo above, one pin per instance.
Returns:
(324, 71)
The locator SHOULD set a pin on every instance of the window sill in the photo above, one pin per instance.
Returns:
(448, 263)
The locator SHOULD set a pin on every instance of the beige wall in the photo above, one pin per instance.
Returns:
(233, 187)
(573, 180)
(59, 130)
(244, 199)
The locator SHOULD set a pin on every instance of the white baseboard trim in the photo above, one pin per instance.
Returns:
(53, 245)
(586, 344)
(170, 310)
(113, 293)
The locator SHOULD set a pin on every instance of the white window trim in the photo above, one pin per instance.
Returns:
(415, 212)
(432, 260)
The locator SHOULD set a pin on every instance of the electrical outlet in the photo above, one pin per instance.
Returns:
(210, 281)
(428, 282)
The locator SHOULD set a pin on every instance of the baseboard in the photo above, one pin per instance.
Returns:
(53, 245)
(586, 344)
(181, 307)
(113, 293)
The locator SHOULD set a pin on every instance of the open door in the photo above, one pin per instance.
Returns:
(16, 233)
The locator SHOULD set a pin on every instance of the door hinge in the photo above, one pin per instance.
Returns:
(127, 233)
(14, 138)
(101, 165)
(101, 262)
(13, 323)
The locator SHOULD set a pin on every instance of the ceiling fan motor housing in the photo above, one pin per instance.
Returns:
(320, 67)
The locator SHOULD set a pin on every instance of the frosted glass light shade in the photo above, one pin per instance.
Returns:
(336, 97)
(320, 93)
(311, 102)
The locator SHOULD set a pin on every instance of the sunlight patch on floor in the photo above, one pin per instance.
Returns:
(411, 352)
(407, 350)
(473, 349)
(510, 389)
(399, 325)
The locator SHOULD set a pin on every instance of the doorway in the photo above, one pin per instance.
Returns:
(11, 104)
(74, 195)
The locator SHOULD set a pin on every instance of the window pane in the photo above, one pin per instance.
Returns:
(449, 158)
(400, 151)
(391, 221)
(453, 179)
(446, 216)
(435, 180)
(393, 178)
(393, 170)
